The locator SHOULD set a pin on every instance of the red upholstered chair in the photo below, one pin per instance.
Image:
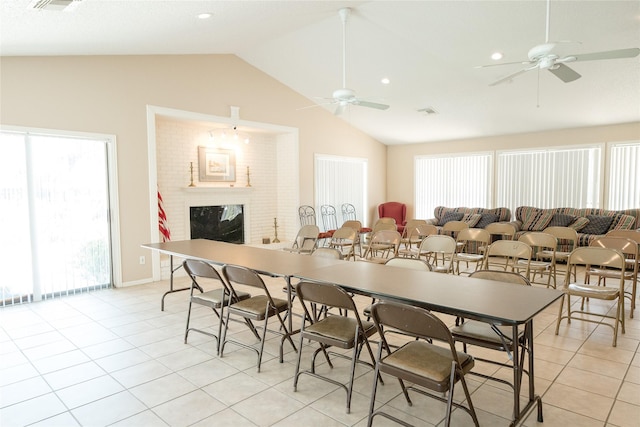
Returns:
(395, 210)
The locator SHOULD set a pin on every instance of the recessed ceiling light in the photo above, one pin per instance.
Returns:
(496, 56)
(204, 16)
(385, 81)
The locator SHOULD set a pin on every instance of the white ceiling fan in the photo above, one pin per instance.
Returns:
(541, 57)
(344, 96)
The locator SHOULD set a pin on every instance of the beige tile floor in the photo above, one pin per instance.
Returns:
(111, 357)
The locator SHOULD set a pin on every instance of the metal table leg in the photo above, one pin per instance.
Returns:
(519, 414)
(171, 290)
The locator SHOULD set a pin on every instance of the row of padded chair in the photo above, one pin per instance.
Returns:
(425, 364)
(535, 253)
(341, 331)
(614, 256)
(230, 299)
(383, 242)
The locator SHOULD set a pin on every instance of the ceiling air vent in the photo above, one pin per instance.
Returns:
(52, 4)
(427, 111)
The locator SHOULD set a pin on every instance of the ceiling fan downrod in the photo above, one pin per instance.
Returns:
(344, 15)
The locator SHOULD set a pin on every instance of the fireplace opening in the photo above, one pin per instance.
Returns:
(222, 223)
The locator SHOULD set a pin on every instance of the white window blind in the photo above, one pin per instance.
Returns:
(549, 178)
(452, 180)
(341, 180)
(624, 176)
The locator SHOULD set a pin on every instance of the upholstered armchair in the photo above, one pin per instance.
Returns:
(395, 210)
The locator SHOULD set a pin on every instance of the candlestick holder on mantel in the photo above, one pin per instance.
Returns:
(191, 172)
(248, 178)
(275, 227)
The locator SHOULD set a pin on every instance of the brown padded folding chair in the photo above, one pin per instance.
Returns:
(425, 364)
(257, 308)
(493, 337)
(215, 299)
(332, 331)
(410, 263)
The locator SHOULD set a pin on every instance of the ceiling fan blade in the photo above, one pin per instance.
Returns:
(316, 105)
(511, 76)
(371, 105)
(564, 73)
(505, 63)
(340, 109)
(607, 54)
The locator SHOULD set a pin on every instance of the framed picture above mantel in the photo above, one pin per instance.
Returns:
(216, 164)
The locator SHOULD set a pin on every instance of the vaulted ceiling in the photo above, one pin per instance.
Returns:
(427, 49)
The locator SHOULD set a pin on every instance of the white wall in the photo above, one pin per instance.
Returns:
(400, 158)
(111, 94)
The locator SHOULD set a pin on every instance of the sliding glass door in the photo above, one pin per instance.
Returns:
(54, 216)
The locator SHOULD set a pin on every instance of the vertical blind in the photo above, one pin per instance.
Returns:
(624, 176)
(455, 180)
(549, 178)
(340, 180)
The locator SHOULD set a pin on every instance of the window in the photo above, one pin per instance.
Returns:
(452, 180)
(54, 209)
(549, 178)
(341, 180)
(624, 176)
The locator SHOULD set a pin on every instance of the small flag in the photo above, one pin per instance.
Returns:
(162, 220)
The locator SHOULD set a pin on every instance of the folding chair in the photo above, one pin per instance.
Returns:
(257, 308)
(426, 365)
(332, 331)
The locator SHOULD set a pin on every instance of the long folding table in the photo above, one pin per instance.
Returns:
(484, 300)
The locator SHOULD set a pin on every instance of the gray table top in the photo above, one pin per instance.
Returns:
(480, 299)
(272, 262)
